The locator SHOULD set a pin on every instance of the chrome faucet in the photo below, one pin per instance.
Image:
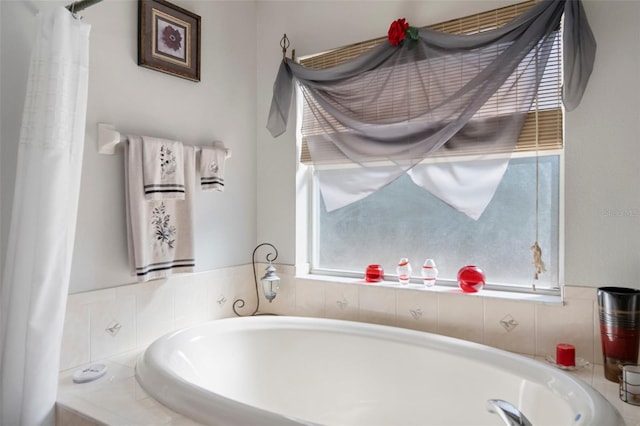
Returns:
(509, 414)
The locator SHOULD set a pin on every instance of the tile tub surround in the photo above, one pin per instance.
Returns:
(103, 323)
(114, 323)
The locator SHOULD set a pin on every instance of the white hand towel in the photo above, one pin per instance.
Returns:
(160, 232)
(212, 161)
(163, 168)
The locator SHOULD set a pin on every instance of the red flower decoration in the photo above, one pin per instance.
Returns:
(171, 37)
(397, 31)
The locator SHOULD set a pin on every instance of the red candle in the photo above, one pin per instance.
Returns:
(566, 354)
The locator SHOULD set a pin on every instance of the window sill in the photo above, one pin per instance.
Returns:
(439, 289)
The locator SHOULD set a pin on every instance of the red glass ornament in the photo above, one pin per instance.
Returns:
(470, 279)
(374, 273)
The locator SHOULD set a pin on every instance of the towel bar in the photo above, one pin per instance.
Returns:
(109, 137)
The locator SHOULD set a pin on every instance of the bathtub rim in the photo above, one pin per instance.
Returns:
(152, 377)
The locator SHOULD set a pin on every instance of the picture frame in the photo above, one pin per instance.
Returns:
(168, 39)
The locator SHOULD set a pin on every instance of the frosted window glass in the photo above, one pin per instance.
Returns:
(403, 220)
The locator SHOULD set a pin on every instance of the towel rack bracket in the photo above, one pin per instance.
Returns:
(108, 138)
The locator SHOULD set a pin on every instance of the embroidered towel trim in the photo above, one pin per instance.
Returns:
(163, 168)
(160, 232)
(212, 161)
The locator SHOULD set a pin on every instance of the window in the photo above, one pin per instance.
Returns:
(403, 220)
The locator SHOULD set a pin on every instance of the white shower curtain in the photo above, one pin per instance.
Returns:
(38, 264)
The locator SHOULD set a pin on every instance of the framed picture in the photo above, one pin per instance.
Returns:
(169, 39)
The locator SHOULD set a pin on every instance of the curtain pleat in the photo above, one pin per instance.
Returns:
(394, 106)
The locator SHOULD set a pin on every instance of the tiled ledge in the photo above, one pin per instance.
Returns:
(117, 400)
(485, 293)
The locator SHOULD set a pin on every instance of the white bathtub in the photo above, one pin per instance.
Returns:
(287, 370)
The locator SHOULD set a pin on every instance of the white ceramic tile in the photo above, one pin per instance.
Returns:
(191, 302)
(118, 314)
(215, 284)
(91, 410)
(67, 417)
(75, 349)
(575, 292)
(154, 313)
(92, 297)
(341, 301)
(310, 298)
(229, 287)
(127, 359)
(115, 371)
(377, 304)
(585, 373)
(179, 420)
(571, 323)
(612, 392)
(597, 340)
(140, 288)
(149, 408)
(510, 326)
(461, 315)
(120, 397)
(417, 310)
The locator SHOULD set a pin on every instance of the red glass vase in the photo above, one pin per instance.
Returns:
(374, 273)
(470, 279)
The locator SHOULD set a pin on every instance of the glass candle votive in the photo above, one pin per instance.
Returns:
(374, 273)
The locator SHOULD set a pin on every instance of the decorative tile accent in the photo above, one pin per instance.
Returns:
(417, 310)
(502, 329)
(342, 304)
(102, 316)
(341, 301)
(508, 323)
(113, 328)
(416, 313)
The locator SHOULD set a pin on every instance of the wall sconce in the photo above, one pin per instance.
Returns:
(270, 280)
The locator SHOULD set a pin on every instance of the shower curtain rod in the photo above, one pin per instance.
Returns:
(77, 6)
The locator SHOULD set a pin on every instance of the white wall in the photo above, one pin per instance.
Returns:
(241, 54)
(602, 205)
(142, 101)
(602, 156)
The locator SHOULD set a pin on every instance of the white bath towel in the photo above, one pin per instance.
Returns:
(160, 232)
(163, 168)
(212, 161)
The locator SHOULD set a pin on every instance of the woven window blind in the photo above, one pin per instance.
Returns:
(549, 115)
